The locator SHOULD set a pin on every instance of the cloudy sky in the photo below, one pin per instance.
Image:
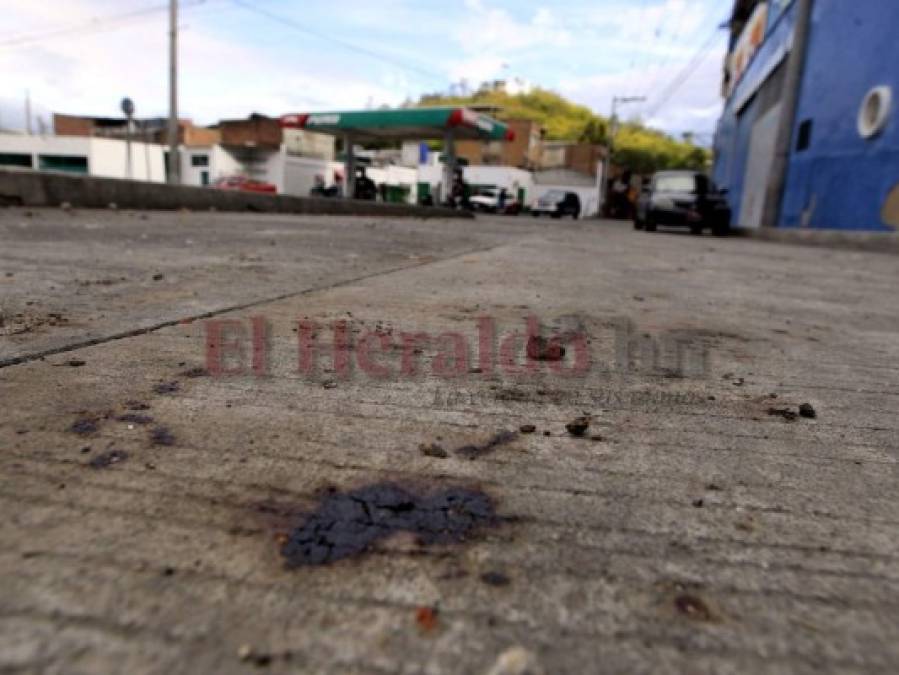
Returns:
(277, 56)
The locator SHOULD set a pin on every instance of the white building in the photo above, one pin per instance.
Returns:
(86, 155)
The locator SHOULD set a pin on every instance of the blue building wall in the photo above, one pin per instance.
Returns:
(734, 131)
(842, 180)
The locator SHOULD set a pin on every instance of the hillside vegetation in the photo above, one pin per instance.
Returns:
(637, 147)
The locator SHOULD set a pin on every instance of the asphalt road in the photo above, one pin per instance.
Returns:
(403, 515)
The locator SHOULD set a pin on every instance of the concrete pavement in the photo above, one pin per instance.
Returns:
(699, 525)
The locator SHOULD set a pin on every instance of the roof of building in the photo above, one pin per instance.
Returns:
(402, 123)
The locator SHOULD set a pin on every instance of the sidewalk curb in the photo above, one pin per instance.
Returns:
(24, 187)
(878, 242)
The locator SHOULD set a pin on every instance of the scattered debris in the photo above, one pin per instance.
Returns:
(739, 382)
(330, 384)
(158, 277)
(136, 405)
(578, 426)
(134, 418)
(107, 459)
(541, 349)
(527, 428)
(786, 413)
(433, 450)
(495, 579)
(713, 487)
(162, 436)
(346, 524)
(476, 451)
(808, 411)
(698, 503)
(693, 607)
(197, 371)
(166, 388)
(547, 433)
(86, 449)
(516, 661)
(597, 438)
(248, 654)
(426, 618)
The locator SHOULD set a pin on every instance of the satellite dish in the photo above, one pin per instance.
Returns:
(128, 106)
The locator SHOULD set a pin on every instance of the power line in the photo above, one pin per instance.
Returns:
(94, 25)
(290, 23)
(684, 75)
(666, 58)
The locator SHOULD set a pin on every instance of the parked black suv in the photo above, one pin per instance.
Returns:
(556, 204)
(682, 198)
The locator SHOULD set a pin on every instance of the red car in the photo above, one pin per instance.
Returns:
(244, 184)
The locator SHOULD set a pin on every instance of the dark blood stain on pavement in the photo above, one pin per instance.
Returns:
(346, 524)
(107, 459)
(476, 451)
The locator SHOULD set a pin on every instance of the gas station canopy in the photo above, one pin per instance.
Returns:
(402, 124)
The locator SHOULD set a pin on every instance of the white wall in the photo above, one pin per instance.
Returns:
(105, 157)
(300, 174)
(108, 158)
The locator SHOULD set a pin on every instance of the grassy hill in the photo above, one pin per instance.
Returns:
(637, 147)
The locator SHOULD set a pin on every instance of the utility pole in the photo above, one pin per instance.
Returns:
(777, 177)
(613, 119)
(174, 160)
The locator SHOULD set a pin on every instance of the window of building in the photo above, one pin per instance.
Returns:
(805, 136)
(199, 160)
(69, 163)
(15, 159)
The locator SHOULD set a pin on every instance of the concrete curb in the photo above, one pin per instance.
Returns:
(880, 242)
(22, 187)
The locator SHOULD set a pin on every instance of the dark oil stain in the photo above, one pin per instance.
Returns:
(693, 607)
(134, 418)
(346, 524)
(495, 579)
(166, 388)
(198, 371)
(84, 426)
(162, 436)
(107, 459)
(476, 451)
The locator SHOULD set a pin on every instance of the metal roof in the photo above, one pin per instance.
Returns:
(402, 124)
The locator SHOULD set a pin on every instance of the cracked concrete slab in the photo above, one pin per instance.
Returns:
(688, 530)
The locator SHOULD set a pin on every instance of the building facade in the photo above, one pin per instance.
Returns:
(841, 142)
